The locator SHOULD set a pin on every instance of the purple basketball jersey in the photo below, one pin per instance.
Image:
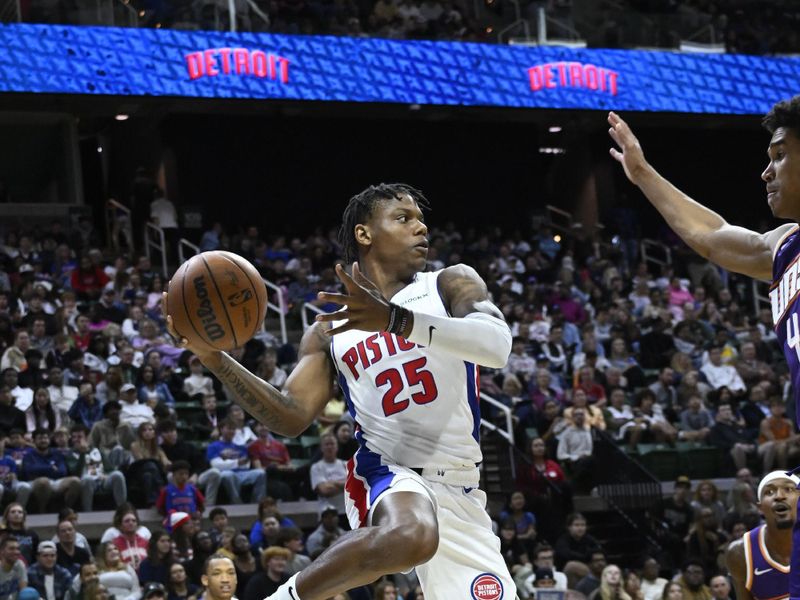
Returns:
(766, 579)
(783, 295)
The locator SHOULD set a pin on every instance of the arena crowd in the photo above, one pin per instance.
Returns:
(99, 409)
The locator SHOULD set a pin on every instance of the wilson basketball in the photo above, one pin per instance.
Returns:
(217, 300)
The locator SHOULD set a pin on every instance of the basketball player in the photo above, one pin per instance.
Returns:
(219, 578)
(759, 562)
(405, 349)
(771, 256)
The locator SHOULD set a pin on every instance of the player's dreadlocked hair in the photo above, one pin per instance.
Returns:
(784, 114)
(360, 207)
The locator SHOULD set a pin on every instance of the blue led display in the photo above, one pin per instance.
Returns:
(162, 62)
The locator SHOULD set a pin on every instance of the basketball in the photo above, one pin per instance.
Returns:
(217, 300)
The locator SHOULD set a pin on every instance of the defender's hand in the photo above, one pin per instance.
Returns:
(364, 306)
(204, 353)
(631, 155)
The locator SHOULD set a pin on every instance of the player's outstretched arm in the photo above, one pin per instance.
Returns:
(706, 232)
(476, 332)
(737, 566)
(306, 392)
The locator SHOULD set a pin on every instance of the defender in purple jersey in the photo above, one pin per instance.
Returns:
(772, 256)
(759, 562)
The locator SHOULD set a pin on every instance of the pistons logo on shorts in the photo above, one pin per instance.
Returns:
(487, 587)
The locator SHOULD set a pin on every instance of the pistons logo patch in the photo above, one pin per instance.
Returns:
(487, 587)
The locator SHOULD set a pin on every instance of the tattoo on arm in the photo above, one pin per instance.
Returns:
(260, 399)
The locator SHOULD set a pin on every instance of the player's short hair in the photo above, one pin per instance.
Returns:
(785, 113)
(212, 558)
(360, 207)
(6, 540)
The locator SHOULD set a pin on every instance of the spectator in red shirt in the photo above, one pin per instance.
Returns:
(545, 486)
(595, 392)
(87, 280)
(82, 336)
(274, 456)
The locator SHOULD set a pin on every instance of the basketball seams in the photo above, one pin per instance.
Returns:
(221, 301)
(250, 281)
(186, 305)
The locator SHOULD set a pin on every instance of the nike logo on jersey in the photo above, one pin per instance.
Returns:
(430, 334)
(291, 592)
(757, 572)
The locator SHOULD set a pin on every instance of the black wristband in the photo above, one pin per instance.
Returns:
(398, 319)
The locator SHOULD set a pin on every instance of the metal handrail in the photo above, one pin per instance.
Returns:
(304, 314)
(509, 434)
(160, 246)
(279, 308)
(653, 244)
(554, 210)
(760, 299)
(113, 228)
(184, 242)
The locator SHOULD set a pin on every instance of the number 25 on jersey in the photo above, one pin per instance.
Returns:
(414, 378)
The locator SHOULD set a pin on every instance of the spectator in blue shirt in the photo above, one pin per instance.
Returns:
(151, 391)
(235, 465)
(47, 469)
(86, 409)
(9, 481)
(46, 567)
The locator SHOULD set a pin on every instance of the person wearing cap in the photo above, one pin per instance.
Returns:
(154, 590)
(107, 308)
(759, 562)
(326, 532)
(134, 412)
(48, 578)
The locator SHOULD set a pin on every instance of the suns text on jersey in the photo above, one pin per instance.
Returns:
(784, 292)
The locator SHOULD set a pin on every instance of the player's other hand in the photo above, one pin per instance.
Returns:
(364, 306)
(203, 352)
(630, 153)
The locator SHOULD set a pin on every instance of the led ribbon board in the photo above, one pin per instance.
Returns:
(163, 62)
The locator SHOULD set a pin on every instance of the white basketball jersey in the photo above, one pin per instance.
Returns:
(413, 407)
